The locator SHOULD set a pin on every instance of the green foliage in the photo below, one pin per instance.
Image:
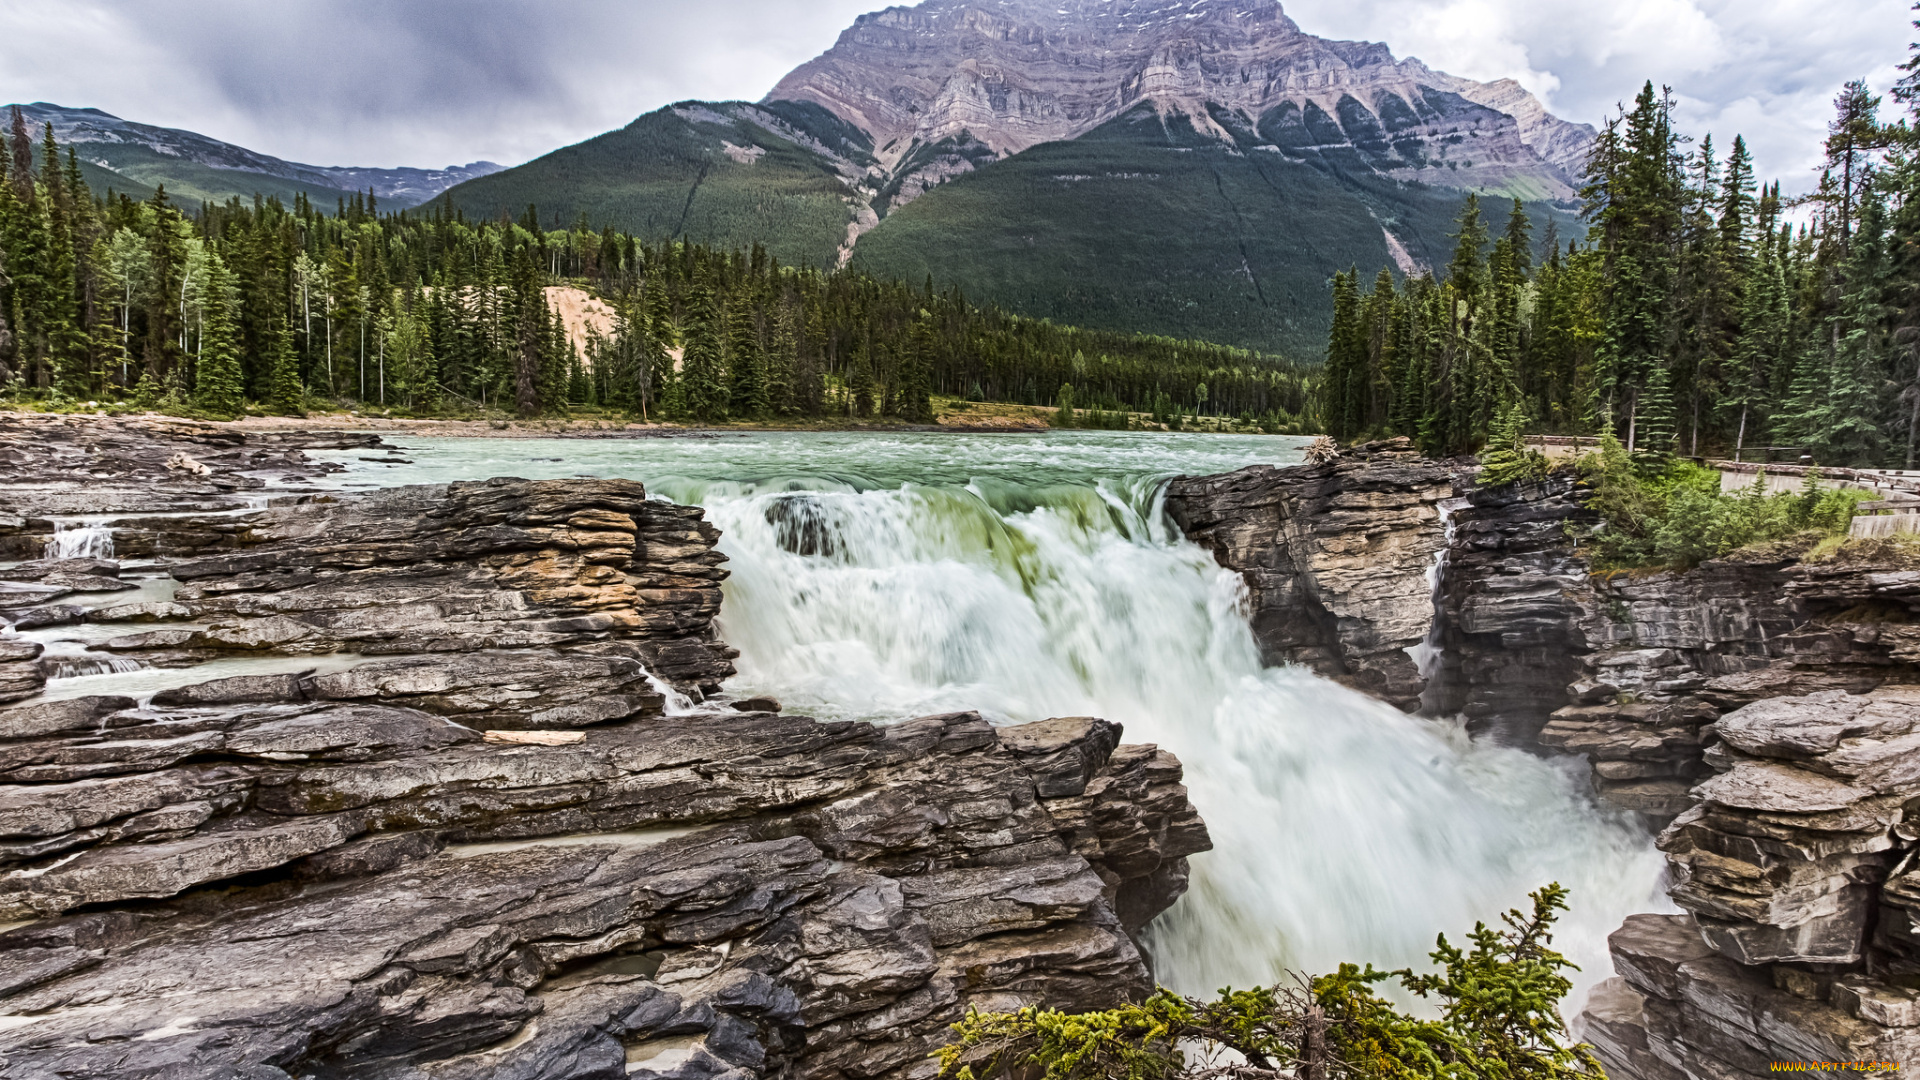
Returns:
(433, 313)
(1507, 458)
(218, 386)
(1673, 513)
(669, 176)
(1499, 1020)
(1694, 319)
(285, 395)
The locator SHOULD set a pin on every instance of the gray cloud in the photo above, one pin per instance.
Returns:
(426, 82)
(434, 82)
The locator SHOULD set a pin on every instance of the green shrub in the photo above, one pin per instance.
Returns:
(1673, 513)
(1507, 458)
(1499, 1018)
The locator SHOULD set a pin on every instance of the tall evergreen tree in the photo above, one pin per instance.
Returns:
(219, 387)
(915, 406)
(703, 369)
(746, 369)
(286, 394)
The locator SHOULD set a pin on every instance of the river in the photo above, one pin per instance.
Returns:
(879, 576)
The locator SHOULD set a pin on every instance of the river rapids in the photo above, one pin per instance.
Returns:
(880, 576)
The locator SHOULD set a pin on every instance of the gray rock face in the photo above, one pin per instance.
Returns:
(373, 891)
(581, 565)
(1336, 559)
(1784, 855)
(60, 466)
(1766, 713)
(1511, 632)
(960, 74)
(1681, 1010)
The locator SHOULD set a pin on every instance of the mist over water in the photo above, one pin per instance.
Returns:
(884, 576)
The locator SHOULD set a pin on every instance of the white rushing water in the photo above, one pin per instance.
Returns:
(79, 540)
(884, 576)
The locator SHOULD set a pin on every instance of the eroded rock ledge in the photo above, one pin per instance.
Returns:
(446, 813)
(341, 890)
(1336, 558)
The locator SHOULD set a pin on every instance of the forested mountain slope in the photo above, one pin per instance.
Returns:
(1182, 168)
(134, 158)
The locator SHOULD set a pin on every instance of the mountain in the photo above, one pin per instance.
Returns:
(1187, 167)
(1011, 74)
(789, 174)
(134, 158)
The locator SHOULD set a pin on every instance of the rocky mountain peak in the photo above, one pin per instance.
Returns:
(1000, 76)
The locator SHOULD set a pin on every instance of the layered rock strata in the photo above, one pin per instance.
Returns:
(333, 890)
(455, 818)
(1793, 866)
(1763, 711)
(584, 566)
(586, 582)
(956, 75)
(1337, 559)
(106, 467)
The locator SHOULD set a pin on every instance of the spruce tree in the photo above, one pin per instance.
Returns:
(860, 380)
(703, 371)
(286, 396)
(530, 347)
(746, 368)
(915, 404)
(1850, 428)
(1346, 360)
(219, 388)
(783, 360)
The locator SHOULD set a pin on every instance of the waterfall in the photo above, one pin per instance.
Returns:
(1344, 830)
(79, 667)
(82, 540)
(1429, 656)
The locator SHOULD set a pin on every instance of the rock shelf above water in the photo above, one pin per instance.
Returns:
(332, 869)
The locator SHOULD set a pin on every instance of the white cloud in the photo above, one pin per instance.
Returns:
(433, 82)
(1766, 69)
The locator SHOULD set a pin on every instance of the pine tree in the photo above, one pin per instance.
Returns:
(916, 407)
(1346, 360)
(746, 369)
(530, 334)
(860, 380)
(783, 361)
(219, 388)
(1850, 431)
(166, 262)
(285, 394)
(703, 369)
(1634, 202)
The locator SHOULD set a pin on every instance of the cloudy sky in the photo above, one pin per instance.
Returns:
(435, 82)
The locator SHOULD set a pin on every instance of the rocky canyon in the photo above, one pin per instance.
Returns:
(445, 779)
(1762, 713)
(438, 781)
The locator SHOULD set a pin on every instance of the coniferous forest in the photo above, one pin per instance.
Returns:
(220, 308)
(1695, 318)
